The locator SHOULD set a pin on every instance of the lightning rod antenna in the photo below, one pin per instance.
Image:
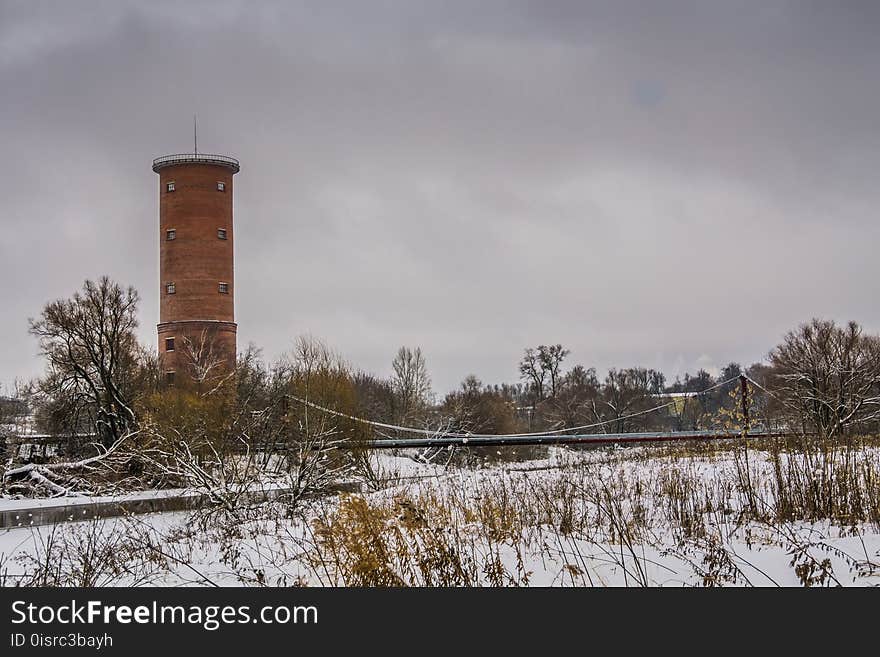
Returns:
(195, 135)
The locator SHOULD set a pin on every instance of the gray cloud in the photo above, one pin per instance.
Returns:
(673, 185)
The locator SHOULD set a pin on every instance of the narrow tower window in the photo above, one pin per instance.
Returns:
(169, 344)
(169, 377)
(170, 234)
(224, 288)
(221, 186)
(169, 187)
(169, 288)
(221, 233)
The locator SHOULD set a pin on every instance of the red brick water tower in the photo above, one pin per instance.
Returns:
(197, 287)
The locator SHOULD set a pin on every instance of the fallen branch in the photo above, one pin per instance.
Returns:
(53, 475)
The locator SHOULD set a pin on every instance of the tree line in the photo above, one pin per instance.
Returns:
(822, 377)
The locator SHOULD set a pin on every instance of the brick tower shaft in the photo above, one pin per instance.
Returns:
(197, 329)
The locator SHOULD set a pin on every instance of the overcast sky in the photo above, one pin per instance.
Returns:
(668, 184)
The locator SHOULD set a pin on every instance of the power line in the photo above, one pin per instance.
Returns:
(440, 433)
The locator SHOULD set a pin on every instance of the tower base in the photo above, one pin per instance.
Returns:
(197, 350)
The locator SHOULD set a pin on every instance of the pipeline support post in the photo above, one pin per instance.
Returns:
(744, 386)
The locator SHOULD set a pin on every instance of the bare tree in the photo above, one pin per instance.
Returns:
(575, 402)
(829, 374)
(473, 408)
(230, 443)
(376, 396)
(92, 352)
(314, 460)
(541, 366)
(551, 358)
(628, 391)
(206, 362)
(533, 373)
(412, 385)
(478, 409)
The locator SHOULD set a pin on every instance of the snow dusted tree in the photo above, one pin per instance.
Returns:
(829, 374)
(412, 385)
(92, 352)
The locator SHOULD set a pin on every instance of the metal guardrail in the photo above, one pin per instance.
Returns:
(50, 436)
(70, 509)
(195, 158)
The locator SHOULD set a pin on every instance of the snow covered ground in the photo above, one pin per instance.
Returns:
(606, 517)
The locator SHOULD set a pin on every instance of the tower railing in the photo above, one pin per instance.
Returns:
(195, 158)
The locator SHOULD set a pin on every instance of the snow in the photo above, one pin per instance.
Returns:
(272, 548)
